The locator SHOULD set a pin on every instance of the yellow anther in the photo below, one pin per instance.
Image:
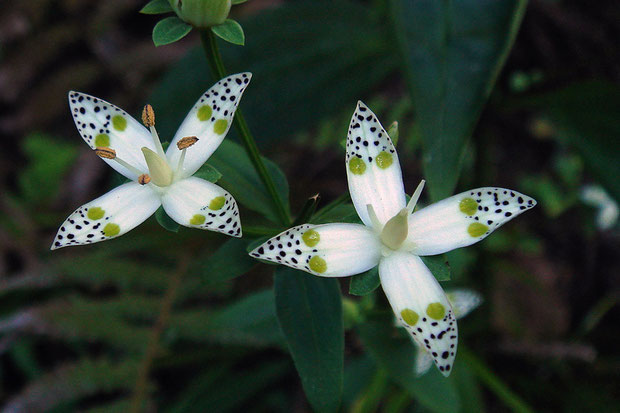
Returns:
(148, 116)
(144, 179)
(186, 142)
(106, 153)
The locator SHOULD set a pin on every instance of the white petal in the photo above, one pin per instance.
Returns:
(463, 301)
(102, 124)
(463, 219)
(328, 250)
(423, 362)
(196, 203)
(109, 216)
(421, 306)
(209, 120)
(373, 169)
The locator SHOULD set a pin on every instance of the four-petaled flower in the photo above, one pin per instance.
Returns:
(158, 178)
(393, 237)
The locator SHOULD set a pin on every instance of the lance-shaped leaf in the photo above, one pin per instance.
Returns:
(309, 311)
(454, 51)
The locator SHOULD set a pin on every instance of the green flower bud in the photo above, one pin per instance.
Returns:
(202, 13)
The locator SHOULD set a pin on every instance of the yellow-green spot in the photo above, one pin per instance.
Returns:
(477, 229)
(197, 219)
(111, 230)
(204, 113)
(318, 264)
(102, 140)
(119, 122)
(220, 126)
(311, 238)
(357, 166)
(468, 206)
(95, 213)
(217, 203)
(384, 160)
(410, 316)
(436, 311)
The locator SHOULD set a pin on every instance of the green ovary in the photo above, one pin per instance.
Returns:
(357, 166)
(119, 123)
(204, 113)
(111, 230)
(311, 238)
(217, 203)
(102, 140)
(477, 229)
(410, 316)
(197, 220)
(436, 311)
(468, 206)
(318, 264)
(220, 126)
(384, 160)
(95, 213)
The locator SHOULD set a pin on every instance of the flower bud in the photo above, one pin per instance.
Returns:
(202, 13)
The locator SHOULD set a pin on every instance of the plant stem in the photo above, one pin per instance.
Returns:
(209, 44)
(494, 383)
(140, 390)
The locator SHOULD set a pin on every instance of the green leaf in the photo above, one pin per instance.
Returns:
(235, 2)
(453, 51)
(156, 7)
(393, 350)
(309, 311)
(208, 173)
(231, 31)
(240, 178)
(439, 266)
(586, 116)
(169, 30)
(229, 261)
(165, 221)
(365, 283)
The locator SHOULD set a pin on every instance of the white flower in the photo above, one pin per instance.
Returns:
(393, 237)
(158, 178)
(463, 302)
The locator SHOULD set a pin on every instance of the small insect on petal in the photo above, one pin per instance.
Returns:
(186, 142)
(106, 153)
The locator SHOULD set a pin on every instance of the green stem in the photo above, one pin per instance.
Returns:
(209, 43)
(308, 210)
(494, 383)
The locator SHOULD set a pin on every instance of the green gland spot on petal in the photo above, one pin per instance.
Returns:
(197, 220)
(410, 316)
(318, 264)
(436, 311)
(477, 229)
(102, 140)
(217, 203)
(311, 238)
(119, 123)
(95, 213)
(204, 113)
(220, 126)
(384, 160)
(468, 206)
(357, 166)
(111, 230)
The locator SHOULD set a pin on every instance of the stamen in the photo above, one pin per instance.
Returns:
(186, 142)
(109, 153)
(148, 118)
(106, 153)
(376, 224)
(416, 195)
(144, 179)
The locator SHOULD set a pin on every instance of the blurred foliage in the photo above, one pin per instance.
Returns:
(165, 321)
